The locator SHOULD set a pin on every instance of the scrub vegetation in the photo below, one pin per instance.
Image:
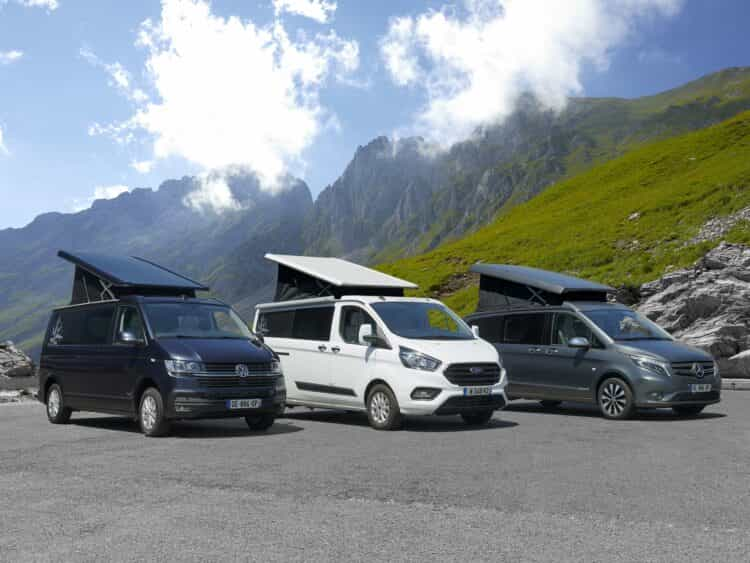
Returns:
(623, 222)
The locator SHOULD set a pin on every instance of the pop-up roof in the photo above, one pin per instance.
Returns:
(502, 285)
(99, 277)
(301, 277)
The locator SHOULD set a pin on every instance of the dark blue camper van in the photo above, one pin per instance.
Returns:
(135, 340)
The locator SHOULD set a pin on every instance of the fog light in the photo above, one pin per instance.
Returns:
(424, 393)
(657, 396)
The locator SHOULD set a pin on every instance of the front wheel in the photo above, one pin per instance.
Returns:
(477, 418)
(57, 412)
(616, 399)
(151, 415)
(382, 409)
(261, 422)
(688, 410)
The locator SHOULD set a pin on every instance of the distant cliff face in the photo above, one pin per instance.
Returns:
(225, 250)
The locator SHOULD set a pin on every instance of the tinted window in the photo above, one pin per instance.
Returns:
(130, 321)
(568, 326)
(194, 320)
(422, 320)
(312, 324)
(351, 319)
(624, 324)
(277, 324)
(83, 326)
(525, 329)
(490, 328)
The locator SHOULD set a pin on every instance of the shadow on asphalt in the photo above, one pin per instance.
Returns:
(592, 411)
(411, 424)
(228, 428)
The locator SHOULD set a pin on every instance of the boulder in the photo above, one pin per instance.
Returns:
(14, 362)
(708, 306)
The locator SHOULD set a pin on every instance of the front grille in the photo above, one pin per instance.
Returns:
(235, 381)
(461, 374)
(687, 369)
(457, 405)
(262, 367)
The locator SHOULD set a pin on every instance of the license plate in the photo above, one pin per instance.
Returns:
(244, 403)
(471, 391)
(700, 387)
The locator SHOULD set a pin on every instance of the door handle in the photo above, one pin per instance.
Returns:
(335, 349)
(553, 351)
(322, 348)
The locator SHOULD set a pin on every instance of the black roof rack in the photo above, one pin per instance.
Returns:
(100, 277)
(503, 285)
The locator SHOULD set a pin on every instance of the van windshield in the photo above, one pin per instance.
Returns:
(622, 324)
(422, 321)
(194, 320)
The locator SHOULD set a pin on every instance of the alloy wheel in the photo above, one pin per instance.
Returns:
(148, 413)
(613, 398)
(53, 403)
(380, 407)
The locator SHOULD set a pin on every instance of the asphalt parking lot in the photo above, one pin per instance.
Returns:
(534, 486)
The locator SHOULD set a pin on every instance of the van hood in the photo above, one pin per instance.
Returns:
(215, 350)
(670, 350)
(454, 351)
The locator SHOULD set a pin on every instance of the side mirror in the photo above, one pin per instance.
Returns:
(129, 338)
(579, 342)
(366, 337)
(475, 330)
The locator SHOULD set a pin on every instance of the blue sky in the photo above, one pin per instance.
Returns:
(83, 107)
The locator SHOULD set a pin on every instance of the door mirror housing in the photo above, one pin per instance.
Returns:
(579, 342)
(367, 337)
(129, 338)
(475, 330)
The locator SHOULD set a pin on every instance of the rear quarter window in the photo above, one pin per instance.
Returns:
(490, 328)
(83, 326)
(303, 324)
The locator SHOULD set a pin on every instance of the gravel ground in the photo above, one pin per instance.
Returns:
(534, 486)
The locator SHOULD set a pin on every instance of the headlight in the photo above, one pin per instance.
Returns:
(276, 367)
(716, 370)
(416, 360)
(650, 364)
(177, 368)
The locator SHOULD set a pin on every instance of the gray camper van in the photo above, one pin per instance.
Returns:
(562, 340)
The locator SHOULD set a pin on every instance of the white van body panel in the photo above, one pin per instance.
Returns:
(344, 371)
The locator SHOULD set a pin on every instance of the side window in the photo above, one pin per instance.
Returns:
(82, 326)
(525, 329)
(276, 324)
(490, 328)
(567, 326)
(312, 324)
(98, 325)
(351, 319)
(130, 321)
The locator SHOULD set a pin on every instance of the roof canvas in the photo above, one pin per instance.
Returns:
(340, 273)
(552, 282)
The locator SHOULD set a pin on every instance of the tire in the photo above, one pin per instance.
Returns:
(615, 399)
(261, 422)
(151, 416)
(57, 412)
(688, 410)
(547, 404)
(477, 418)
(383, 411)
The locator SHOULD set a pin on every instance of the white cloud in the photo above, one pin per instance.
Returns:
(100, 192)
(319, 10)
(3, 148)
(51, 5)
(229, 93)
(473, 62)
(8, 57)
(214, 194)
(119, 77)
(142, 166)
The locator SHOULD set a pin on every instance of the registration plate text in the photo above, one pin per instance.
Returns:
(244, 403)
(700, 387)
(472, 391)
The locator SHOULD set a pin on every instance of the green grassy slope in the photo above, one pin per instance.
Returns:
(623, 222)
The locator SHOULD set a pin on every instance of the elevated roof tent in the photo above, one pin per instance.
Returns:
(100, 277)
(303, 277)
(502, 285)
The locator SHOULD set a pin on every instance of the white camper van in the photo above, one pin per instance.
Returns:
(349, 339)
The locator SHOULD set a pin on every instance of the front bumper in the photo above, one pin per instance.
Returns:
(213, 404)
(660, 392)
(453, 401)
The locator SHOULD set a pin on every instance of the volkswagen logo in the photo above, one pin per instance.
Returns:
(241, 370)
(698, 371)
(476, 370)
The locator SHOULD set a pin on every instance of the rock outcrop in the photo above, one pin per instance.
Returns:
(14, 362)
(707, 305)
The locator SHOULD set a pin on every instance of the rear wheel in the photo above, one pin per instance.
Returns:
(382, 409)
(688, 410)
(57, 412)
(477, 418)
(261, 422)
(550, 404)
(151, 415)
(616, 399)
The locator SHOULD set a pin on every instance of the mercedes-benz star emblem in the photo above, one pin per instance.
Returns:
(698, 371)
(241, 370)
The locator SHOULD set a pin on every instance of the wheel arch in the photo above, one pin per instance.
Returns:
(143, 384)
(372, 384)
(606, 375)
(48, 382)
